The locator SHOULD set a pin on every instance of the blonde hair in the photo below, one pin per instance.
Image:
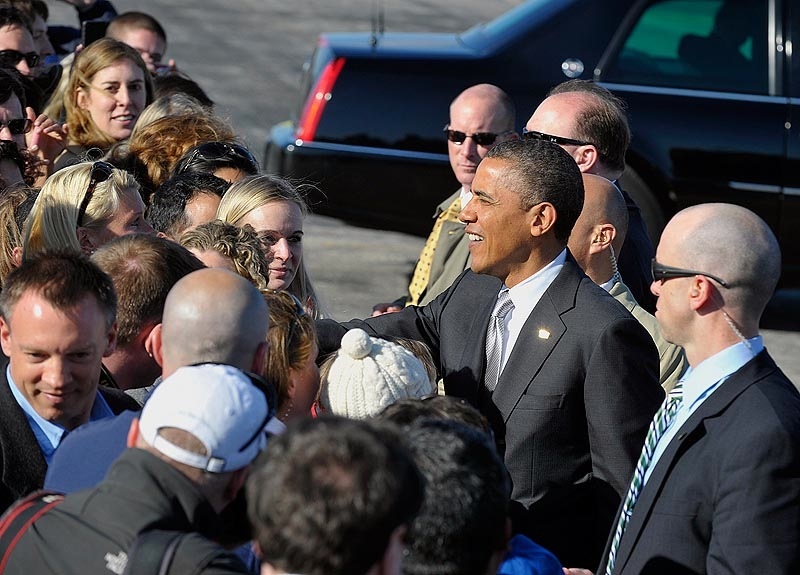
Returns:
(53, 221)
(11, 225)
(172, 105)
(239, 244)
(254, 192)
(95, 57)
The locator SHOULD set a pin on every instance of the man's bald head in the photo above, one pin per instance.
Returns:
(603, 221)
(482, 108)
(213, 315)
(732, 243)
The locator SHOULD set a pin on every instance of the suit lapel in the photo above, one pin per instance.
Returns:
(691, 432)
(474, 353)
(539, 335)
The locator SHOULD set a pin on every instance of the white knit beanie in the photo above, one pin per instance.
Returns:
(370, 373)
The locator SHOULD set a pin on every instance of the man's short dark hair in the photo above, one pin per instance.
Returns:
(406, 412)
(143, 268)
(63, 279)
(462, 521)
(544, 172)
(180, 83)
(13, 16)
(167, 211)
(604, 123)
(327, 495)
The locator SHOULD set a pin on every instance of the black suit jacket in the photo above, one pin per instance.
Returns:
(22, 465)
(635, 256)
(725, 495)
(572, 405)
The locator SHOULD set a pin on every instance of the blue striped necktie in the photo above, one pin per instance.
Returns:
(661, 422)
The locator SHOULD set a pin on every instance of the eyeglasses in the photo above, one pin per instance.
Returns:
(10, 58)
(661, 273)
(481, 138)
(18, 126)
(561, 141)
(101, 171)
(213, 151)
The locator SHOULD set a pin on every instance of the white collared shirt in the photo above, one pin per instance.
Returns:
(525, 296)
(700, 382)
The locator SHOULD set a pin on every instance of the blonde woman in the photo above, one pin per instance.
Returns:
(83, 207)
(275, 209)
(109, 87)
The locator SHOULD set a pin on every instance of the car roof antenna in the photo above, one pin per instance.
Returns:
(377, 22)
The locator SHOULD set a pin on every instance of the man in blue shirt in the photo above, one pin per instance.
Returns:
(57, 322)
(717, 487)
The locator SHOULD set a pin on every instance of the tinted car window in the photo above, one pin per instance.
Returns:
(700, 44)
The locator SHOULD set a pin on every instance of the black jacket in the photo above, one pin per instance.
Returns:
(22, 465)
(90, 532)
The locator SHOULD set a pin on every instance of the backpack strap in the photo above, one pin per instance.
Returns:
(153, 552)
(20, 516)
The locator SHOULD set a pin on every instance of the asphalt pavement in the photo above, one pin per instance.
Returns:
(248, 54)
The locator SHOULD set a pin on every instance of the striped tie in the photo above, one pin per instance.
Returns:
(494, 339)
(661, 422)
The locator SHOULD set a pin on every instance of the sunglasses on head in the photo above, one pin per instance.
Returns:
(211, 151)
(101, 171)
(561, 141)
(662, 273)
(10, 58)
(480, 138)
(18, 126)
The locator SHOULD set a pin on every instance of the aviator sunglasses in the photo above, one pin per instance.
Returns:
(480, 138)
(10, 58)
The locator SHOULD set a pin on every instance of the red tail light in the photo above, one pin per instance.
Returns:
(317, 98)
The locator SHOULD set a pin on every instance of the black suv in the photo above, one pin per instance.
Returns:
(712, 88)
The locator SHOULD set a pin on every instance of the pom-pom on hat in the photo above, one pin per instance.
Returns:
(370, 373)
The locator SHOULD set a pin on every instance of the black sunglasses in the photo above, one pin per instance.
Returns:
(18, 126)
(561, 141)
(661, 273)
(212, 151)
(481, 138)
(101, 171)
(10, 58)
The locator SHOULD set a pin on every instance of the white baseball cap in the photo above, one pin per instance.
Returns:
(225, 408)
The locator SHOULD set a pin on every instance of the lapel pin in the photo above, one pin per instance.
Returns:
(544, 334)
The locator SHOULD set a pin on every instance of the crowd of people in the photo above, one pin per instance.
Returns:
(551, 395)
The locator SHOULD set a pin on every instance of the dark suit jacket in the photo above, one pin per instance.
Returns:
(725, 496)
(22, 465)
(635, 256)
(572, 405)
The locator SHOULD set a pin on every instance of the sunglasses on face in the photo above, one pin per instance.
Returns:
(10, 58)
(662, 273)
(101, 171)
(481, 138)
(534, 135)
(212, 151)
(16, 127)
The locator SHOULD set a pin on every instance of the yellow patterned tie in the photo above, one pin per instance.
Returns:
(422, 273)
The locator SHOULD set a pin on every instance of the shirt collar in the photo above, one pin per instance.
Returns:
(528, 292)
(51, 431)
(698, 382)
